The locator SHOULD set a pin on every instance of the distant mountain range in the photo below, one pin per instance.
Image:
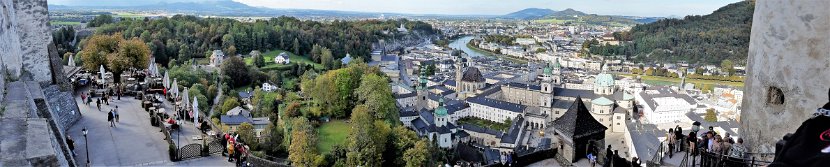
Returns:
(529, 13)
(574, 16)
(224, 8)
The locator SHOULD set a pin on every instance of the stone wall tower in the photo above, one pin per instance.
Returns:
(788, 69)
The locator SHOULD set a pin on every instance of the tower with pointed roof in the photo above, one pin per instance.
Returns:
(575, 129)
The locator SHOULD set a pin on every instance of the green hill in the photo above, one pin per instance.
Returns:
(707, 39)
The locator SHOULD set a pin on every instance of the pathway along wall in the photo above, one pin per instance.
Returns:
(788, 69)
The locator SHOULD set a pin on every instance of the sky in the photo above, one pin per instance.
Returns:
(660, 8)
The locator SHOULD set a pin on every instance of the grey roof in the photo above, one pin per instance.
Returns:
(405, 95)
(492, 156)
(513, 107)
(578, 122)
(388, 58)
(564, 104)
(452, 108)
(573, 93)
(514, 133)
(239, 111)
(234, 119)
(244, 94)
(619, 109)
(524, 86)
(450, 82)
(443, 130)
(406, 113)
(421, 126)
(472, 75)
(261, 121)
(664, 92)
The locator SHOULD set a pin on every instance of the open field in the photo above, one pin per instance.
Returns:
(270, 65)
(332, 133)
(69, 23)
(656, 80)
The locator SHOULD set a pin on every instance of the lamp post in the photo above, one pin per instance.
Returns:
(86, 141)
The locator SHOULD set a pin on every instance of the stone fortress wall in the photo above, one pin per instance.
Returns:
(788, 69)
(35, 97)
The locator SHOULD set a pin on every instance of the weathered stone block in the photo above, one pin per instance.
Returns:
(788, 69)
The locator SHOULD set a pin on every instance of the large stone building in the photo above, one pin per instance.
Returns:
(788, 69)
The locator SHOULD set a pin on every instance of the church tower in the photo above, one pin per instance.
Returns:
(421, 90)
(441, 115)
(557, 73)
(459, 71)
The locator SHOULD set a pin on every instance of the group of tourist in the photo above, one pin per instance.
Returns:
(709, 142)
(235, 150)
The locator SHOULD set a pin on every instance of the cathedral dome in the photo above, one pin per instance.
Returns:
(604, 80)
(472, 75)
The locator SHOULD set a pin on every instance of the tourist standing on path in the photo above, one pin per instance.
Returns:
(88, 99)
(110, 118)
(71, 144)
(671, 140)
(83, 97)
(117, 118)
(678, 136)
(98, 103)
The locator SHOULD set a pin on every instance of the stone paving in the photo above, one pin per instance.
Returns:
(132, 141)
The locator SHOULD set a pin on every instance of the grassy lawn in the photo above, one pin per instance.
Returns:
(270, 65)
(484, 123)
(128, 15)
(550, 20)
(69, 23)
(332, 133)
(657, 80)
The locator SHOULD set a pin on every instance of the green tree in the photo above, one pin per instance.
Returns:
(296, 46)
(417, 156)
(326, 58)
(247, 133)
(236, 72)
(376, 94)
(259, 60)
(302, 151)
(367, 140)
(430, 69)
(710, 116)
(273, 139)
(636, 71)
(229, 104)
(100, 20)
(649, 72)
(403, 139)
(728, 67)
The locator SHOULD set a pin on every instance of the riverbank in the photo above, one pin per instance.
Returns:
(496, 55)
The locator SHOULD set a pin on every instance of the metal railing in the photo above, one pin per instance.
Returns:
(657, 159)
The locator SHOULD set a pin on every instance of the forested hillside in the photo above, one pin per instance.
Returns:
(708, 39)
(185, 37)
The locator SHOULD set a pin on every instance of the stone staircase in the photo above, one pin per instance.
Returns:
(27, 139)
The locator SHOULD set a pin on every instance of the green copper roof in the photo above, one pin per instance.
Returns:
(547, 70)
(441, 110)
(627, 96)
(556, 64)
(602, 101)
(604, 80)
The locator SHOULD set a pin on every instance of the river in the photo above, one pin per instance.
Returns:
(461, 44)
